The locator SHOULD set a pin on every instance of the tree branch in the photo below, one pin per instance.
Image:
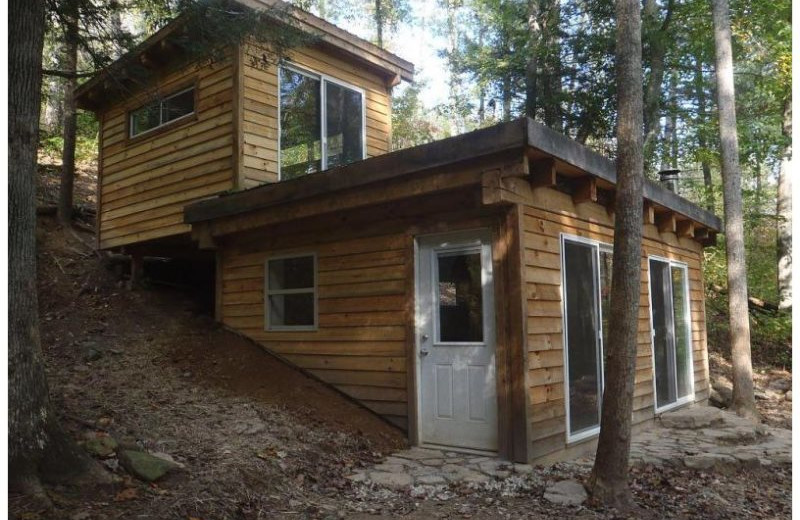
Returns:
(68, 75)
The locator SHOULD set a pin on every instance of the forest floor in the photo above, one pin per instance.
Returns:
(258, 439)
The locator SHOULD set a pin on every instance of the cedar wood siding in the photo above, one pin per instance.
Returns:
(146, 181)
(259, 131)
(544, 219)
(365, 288)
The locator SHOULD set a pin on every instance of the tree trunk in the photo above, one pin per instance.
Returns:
(702, 142)
(552, 59)
(657, 35)
(784, 213)
(379, 22)
(743, 399)
(532, 63)
(609, 479)
(37, 446)
(70, 116)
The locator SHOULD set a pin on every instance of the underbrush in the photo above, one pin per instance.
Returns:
(770, 332)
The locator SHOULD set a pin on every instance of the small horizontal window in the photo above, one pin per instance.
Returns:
(291, 293)
(162, 111)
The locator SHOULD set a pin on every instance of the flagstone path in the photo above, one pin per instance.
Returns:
(698, 437)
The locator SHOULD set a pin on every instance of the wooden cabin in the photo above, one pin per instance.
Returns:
(458, 289)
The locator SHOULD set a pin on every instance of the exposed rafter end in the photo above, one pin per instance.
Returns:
(685, 228)
(649, 213)
(666, 222)
(543, 173)
(585, 190)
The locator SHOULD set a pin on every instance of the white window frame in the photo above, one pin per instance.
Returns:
(688, 303)
(599, 246)
(323, 78)
(161, 102)
(275, 292)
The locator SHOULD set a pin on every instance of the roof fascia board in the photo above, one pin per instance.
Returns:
(565, 149)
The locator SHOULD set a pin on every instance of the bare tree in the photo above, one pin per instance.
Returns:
(743, 398)
(37, 446)
(784, 212)
(609, 479)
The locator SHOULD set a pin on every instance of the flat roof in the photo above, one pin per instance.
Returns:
(522, 134)
(330, 36)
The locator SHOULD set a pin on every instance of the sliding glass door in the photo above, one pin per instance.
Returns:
(671, 332)
(586, 278)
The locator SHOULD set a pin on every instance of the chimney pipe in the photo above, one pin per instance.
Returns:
(669, 178)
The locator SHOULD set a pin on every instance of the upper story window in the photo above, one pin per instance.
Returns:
(321, 123)
(162, 111)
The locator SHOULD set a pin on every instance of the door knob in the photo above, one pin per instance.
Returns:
(424, 337)
(424, 352)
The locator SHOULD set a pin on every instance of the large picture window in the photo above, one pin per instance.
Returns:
(162, 111)
(586, 277)
(290, 293)
(321, 123)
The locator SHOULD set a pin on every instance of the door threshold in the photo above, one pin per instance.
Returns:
(458, 449)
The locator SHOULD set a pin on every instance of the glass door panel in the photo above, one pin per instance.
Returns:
(585, 377)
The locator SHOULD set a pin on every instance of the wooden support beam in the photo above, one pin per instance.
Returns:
(491, 187)
(685, 228)
(585, 190)
(666, 222)
(649, 213)
(543, 173)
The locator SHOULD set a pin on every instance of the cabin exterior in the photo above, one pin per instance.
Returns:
(458, 289)
(192, 130)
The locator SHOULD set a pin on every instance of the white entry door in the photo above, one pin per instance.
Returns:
(456, 341)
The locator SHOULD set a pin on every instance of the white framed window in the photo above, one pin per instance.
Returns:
(322, 122)
(161, 111)
(290, 293)
(586, 286)
(671, 333)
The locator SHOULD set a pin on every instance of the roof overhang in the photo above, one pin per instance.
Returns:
(571, 161)
(149, 54)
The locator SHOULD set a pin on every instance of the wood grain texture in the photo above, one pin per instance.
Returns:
(548, 214)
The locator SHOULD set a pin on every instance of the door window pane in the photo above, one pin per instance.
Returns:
(344, 128)
(682, 340)
(672, 344)
(460, 297)
(583, 348)
(301, 136)
(663, 347)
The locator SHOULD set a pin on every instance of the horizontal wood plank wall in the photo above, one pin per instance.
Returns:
(364, 285)
(147, 180)
(260, 107)
(550, 214)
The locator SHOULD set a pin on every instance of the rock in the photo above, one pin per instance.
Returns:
(566, 493)
(788, 396)
(92, 354)
(693, 418)
(717, 399)
(431, 480)
(102, 447)
(781, 384)
(389, 468)
(251, 427)
(748, 460)
(145, 466)
(710, 461)
(395, 481)
(523, 468)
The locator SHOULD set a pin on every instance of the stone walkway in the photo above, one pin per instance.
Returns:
(698, 437)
